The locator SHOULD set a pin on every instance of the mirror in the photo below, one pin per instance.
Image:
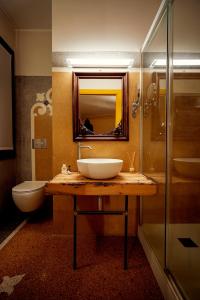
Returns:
(186, 106)
(100, 106)
(6, 100)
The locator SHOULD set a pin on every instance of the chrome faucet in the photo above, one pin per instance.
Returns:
(82, 146)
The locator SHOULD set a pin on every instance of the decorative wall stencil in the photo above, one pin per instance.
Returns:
(42, 106)
(8, 283)
(43, 103)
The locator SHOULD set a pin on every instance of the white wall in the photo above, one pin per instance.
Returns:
(33, 52)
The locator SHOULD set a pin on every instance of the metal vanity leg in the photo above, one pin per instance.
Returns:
(138, 211)
(74, 234)
(126, 235)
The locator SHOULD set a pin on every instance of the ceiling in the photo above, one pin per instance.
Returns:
(89, 25)
(28, 14)
(101, 25)
(104, 25)
(113, 26)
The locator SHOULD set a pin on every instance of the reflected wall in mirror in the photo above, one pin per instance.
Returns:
(100, 106)
(6, 100)
(186, 106)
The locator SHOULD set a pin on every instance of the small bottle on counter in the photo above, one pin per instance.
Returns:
(64, 169)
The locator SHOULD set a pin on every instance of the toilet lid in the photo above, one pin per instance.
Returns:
(28, 186)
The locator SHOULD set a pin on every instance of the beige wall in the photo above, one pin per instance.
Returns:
(7, 30)
(33, 52)
(65, 151)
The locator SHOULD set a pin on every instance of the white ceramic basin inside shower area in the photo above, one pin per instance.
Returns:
(99, 168)
(188, 167)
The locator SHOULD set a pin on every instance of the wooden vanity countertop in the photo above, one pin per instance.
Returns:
(124, 184)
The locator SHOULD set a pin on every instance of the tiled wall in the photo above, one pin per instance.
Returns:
(27, 88)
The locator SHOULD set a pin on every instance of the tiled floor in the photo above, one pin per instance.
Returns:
(45, 259)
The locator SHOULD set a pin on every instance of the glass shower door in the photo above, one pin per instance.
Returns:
(183, 214)
(154, 136)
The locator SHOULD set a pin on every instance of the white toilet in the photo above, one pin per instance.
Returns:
(28, 195)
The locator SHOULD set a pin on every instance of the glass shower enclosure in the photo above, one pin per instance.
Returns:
(170, 154)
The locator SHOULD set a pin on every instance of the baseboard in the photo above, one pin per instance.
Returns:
(168, 289)
(13, 233)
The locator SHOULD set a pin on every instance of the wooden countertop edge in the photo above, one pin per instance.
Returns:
(122, 178)
(133, 191)
(102, 187)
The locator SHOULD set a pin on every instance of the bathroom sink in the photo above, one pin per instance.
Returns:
(99, 168)
(188, 167)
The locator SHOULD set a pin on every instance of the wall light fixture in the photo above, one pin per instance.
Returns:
(88, 62)
(176, 62)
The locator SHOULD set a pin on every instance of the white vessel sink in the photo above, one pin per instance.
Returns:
(99, 168)
(188, 167)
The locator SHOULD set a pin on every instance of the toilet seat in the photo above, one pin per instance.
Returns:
(29, 186)
(28, 196)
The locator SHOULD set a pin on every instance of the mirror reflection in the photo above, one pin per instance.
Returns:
(100, 108)
(94, 109)
(186, 104)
